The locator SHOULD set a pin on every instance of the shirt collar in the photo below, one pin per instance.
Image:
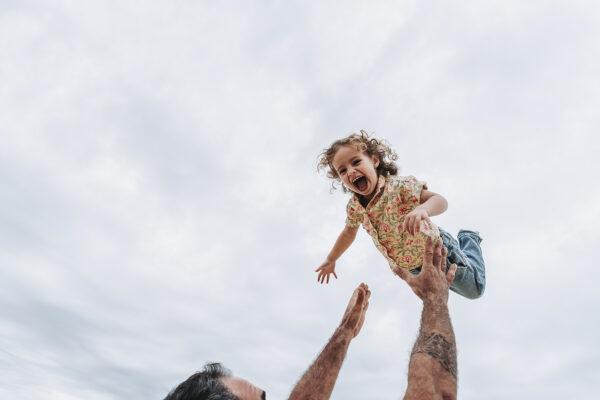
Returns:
(380, 184)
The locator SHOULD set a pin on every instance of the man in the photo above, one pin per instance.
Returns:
(432, 370)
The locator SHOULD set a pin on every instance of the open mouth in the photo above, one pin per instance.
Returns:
(360, 183)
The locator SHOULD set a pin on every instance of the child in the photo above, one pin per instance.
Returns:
(395, 211)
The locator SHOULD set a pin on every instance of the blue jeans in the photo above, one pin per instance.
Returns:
(469, 280)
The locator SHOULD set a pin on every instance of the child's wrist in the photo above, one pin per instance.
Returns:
(423, 207)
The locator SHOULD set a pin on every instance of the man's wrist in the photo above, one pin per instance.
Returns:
(436, 302)
(343, 334)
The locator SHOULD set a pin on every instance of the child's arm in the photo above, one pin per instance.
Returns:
(431, 204)
(341, 244)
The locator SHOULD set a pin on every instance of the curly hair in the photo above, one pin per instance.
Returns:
(371, 147)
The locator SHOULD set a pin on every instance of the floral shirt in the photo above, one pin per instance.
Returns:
(395, 197)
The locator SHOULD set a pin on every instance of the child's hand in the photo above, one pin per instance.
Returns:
(412, 221)
(327, 268)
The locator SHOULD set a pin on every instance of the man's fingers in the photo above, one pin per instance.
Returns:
(355, 305)
(360, 297)
(364, 305)
(350, 305)
(402, 273)
(367, 295)
(450, 274)
(428, 255)
(444, 258)
(437, 254)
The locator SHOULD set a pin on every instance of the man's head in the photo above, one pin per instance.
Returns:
(215, 382)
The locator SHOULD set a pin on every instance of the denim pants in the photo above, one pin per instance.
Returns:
(469, 280)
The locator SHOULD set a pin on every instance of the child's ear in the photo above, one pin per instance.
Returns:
(375, 161)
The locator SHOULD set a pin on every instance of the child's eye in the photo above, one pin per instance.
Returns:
(342, 171)
(356, 162)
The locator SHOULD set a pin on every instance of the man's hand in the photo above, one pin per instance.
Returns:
(326, 269)
(433, 369)
(433, 282)
(318, 381)
(412, 220)
(354, 317)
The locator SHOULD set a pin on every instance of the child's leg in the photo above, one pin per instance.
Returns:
(469, 280)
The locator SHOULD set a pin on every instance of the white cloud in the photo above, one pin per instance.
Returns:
(160, 205)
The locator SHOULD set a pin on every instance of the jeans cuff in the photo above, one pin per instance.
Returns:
(470, 233)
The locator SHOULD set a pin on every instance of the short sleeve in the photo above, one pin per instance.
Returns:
(353, 215)
(410, 189)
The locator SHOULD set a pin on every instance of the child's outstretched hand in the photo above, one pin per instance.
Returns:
(412, 221)
(327, 268)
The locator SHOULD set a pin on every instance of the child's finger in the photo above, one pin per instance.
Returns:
(334, 274)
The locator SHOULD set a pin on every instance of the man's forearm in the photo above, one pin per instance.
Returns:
(318, 381)
(432, 370)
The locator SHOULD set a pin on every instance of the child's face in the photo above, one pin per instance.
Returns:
(357, 170)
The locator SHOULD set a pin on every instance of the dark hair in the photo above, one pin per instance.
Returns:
(371, 147)
(204, 385)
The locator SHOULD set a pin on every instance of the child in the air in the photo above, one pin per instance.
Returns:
(395, 211)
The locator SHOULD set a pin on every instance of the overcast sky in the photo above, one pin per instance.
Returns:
(160, 205)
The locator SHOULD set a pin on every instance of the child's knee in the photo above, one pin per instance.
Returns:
(475, 292)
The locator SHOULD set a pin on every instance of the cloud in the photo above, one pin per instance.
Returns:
(161, 207)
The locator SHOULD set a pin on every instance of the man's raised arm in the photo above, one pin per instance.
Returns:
(432, 370)
(318, 381)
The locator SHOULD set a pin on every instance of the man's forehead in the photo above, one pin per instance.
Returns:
(241, 387)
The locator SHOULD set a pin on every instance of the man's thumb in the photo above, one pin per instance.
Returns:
(402, 273)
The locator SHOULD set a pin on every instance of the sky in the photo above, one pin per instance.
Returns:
(161, 206)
